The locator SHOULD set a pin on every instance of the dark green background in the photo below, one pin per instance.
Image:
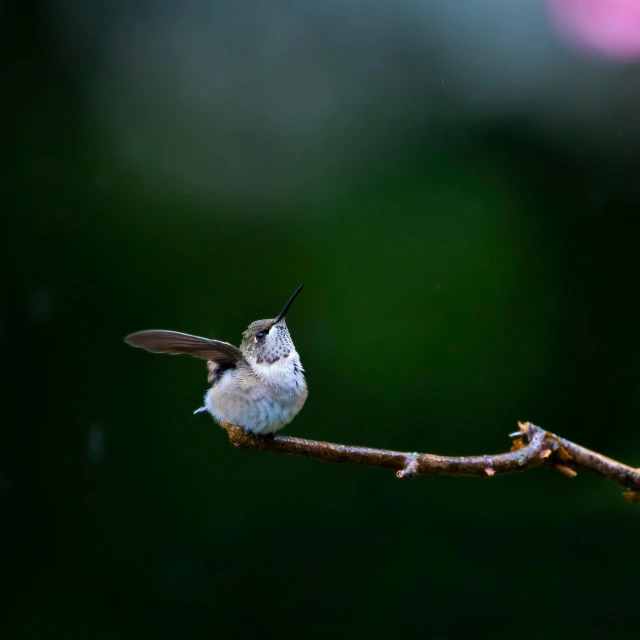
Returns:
(451, 290)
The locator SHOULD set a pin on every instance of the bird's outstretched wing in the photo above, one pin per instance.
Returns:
(225, 355)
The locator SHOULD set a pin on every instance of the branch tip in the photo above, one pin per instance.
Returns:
(568, 471)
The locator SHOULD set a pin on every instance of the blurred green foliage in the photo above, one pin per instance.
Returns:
(449, 293)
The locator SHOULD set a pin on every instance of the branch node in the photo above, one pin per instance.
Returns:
(490, 472)
(411, 467)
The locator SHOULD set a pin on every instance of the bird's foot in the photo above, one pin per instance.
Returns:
(267, 438)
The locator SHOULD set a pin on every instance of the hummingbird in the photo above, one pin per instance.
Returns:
(260, 386)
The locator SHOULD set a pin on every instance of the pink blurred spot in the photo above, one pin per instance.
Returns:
(608, 27)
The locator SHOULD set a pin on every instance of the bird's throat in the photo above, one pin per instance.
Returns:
(284, 372)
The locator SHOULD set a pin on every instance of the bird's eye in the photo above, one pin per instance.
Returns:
(260, 335)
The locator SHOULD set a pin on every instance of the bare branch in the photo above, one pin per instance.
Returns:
(541, 448)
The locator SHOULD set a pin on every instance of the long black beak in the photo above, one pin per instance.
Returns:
(287, 306)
